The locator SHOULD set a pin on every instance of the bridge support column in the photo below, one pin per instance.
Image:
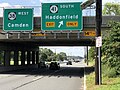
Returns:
(6, 58)
(28, 57)
(22, 58)
(16, 58)
(37, 57)
(33, 57)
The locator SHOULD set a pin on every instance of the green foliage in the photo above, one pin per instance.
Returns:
(107, 71)
(107, 83)
(62, 56)
(44, 57)
(45, 54)
(111, 9)
(91, 54)
(48, 55)
(111, 49)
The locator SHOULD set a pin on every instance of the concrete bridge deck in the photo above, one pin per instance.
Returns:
(57, 38)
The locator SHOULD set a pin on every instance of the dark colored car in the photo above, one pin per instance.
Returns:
(69, 63)
(54, 66)
(42, 64)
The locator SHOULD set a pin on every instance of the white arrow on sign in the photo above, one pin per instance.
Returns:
(60, 24)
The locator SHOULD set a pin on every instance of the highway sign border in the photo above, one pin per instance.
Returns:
(80, 29)
(21, 29)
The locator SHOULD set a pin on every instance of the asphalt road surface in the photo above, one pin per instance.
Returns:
(69, 77)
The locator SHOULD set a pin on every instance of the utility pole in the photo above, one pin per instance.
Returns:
(98, 78)
(87, 55)
(84, 5)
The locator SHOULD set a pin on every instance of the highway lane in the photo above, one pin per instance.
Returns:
(67, 78)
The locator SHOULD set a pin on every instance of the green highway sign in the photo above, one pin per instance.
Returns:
(18, 19)
(61, 16)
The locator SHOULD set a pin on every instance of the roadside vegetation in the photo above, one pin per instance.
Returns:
(110, 54)
(108, 83)
(48, 55)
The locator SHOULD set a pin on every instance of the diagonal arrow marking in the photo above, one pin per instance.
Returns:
(60, 24)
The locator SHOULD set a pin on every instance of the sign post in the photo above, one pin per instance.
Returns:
(61, 16)
(18, 19)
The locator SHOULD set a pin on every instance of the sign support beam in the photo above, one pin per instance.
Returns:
(87, 3)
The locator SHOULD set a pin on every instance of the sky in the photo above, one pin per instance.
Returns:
(37, 4)
(75, 51)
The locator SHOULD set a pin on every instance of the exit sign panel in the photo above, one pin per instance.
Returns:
(18, 19)
(61, 16)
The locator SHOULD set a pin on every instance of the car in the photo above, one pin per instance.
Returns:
(77, 61)
(69, 63)
(54, 66)
(42, 64)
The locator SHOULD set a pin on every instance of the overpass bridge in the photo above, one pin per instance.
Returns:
(23, 47)
(86, 37)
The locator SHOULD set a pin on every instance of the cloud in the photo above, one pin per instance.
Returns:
(7, 5)
(33, 2)
(49, 1)
(3, 5)
(1, 12)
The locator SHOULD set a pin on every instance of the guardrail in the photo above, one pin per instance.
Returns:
(50, 35)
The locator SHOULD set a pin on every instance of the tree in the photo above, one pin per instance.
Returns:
(111, 48)
(48, 55)
(62, 56)
(45, 54)
(43, 57)
(111, 42)
(91, 54)
(111, 9)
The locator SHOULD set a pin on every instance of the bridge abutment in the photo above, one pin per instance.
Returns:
(23, 58)
(33, 57)
(18, 56)
(6, 58)
(28, 57)
(37, 57)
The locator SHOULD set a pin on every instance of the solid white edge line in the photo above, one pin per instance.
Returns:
(84, 79)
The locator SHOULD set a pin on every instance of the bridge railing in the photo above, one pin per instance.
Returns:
(49, 35)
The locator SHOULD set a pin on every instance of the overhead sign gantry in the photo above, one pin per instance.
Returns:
(62, 16)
